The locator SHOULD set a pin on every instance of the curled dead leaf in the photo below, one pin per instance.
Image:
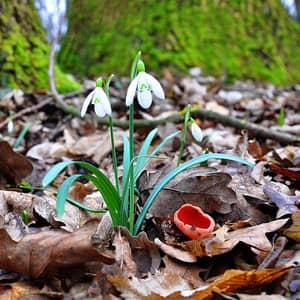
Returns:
(175, 252)
(49, 252)
(13, 166)
(216, 244)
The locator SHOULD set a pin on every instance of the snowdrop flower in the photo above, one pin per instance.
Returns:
(10, 126)
(100, 100)
(196, 131)
(145, 85)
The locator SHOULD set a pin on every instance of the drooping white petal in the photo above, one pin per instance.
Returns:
(144, 98)
(86, 103)
(99, 110)
(155, 86)
(131, 90)
(196, 132)
(105, 102)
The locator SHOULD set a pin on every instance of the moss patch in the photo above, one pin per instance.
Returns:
(248, 39)
(24, 52)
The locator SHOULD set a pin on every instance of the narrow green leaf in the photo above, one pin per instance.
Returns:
(126, 163)
(58, 168)
(165, 180)
(103, 188)
(62, 193)
(22, 134)
(140, 162)
(55, 171)
(147, 158)
(84, 207)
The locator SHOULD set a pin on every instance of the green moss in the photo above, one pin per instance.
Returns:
(24, 51)
(248, 39)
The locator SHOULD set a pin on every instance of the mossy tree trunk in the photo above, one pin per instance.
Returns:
(24, 50)
(248, 39)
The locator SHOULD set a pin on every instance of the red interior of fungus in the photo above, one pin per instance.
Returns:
(191, 216)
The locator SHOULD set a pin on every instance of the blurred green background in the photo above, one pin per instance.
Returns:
(242, 39)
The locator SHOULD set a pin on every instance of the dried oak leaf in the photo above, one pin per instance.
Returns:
(157, 286)
(199, 186)
(145, 253)
(293, 232)
(222, 241)
(285, 203)
(50, 251)
(17, 290)
(171, 287)
(13, 166)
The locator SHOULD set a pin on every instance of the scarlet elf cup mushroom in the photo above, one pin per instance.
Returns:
(193, 222)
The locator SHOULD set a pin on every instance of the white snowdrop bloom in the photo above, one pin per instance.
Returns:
(100, 101)
(10, 126)
(145, 85)
(196, 132)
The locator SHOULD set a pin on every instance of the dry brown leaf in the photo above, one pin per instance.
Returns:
(293, 232)
(13, 166)
(179, 254)
(187, 271)
(44, 206)
(96, 146)
(199, 186)
(171, 287)
(49, 251)
(16, 290)
(157, 286)
(285, 203)
(254, 236)
(242, 281)
(123, 255)
(47, 150)
(144, 252)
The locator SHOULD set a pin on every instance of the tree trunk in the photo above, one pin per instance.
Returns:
(297, 6)
(24, 51)
(246, 39)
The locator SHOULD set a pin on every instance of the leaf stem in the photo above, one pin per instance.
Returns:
(131, 169)
(114, 153)
(183, 138)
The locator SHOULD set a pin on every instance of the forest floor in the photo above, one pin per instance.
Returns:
(254, 251)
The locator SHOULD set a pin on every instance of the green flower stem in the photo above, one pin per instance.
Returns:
(114, 153)
(183, 138)
(131, 170)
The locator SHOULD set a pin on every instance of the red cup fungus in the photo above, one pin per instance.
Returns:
(193, 222)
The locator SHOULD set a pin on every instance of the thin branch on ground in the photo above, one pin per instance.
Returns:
(257, 130)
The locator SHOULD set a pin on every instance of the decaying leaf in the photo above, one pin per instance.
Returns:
(199, 186)
(17, 290)
(13, 166)
(47, 150)
(90, 145)
(159, 287)
(242, 281)
(189, 272)
(216, 244)
(293, 232)
(144, 252)
(179, 254)
(50, 251)
(123, 255)
(43, 206)
(285, 203)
